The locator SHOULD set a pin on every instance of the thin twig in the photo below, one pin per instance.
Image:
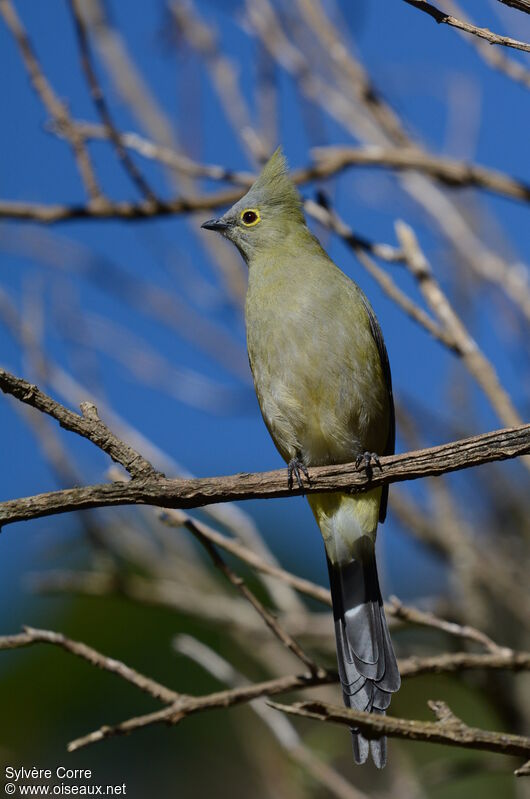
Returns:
(272, 623)
(32, 636)
(448, 729)
(482, 33)
(493, 56)
(175, 518)
(164, 155)
(476, 362)
(88, 425)
(452, 662)
(453, 172)
(101, 104)
(412, 615)
(333, 221)
(55, 107)
(200, 35)
(187, 706)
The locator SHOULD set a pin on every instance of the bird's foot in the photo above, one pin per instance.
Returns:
(295, 466)
(366, 461)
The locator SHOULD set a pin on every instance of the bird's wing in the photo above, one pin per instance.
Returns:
(385, 365)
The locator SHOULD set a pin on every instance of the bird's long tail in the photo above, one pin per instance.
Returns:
(367, 664)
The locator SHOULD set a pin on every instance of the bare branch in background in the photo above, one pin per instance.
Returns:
(179, 705)
(482, 33)
(282, 729)
(380, 125)
(238, 583)
(101, 104)
(330, 161)
(520, 5)
(481, 369)
(448, 729)
(88, 425)
(492, 55)
(55, 107)
(32, 636)
(201, 36)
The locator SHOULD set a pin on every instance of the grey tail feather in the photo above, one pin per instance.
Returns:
(367, 664)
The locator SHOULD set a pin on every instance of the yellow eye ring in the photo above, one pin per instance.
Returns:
(250, 217)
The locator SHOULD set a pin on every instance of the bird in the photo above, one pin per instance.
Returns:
(323, 382)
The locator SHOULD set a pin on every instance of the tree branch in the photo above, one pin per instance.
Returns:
(464, 661)
(54, 106)
(482, 33)
(448, 729)
(101, 104)
(239, 584)
(88, 425)
(180, 705)
(186, 706)
(452, 172)
(476, 362)
(32, 636)
(520, 5)
(328, 162)
(179, 493)
(411, 615)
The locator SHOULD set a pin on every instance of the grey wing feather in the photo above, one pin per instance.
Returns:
(385, 365)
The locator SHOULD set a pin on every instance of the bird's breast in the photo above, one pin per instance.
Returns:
(316, 370)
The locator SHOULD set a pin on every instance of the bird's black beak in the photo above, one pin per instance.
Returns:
(215, 224)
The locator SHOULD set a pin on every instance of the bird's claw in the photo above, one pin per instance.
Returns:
(296, 466)
(366, 459)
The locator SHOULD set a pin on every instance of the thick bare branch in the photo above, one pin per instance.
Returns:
(178, 493)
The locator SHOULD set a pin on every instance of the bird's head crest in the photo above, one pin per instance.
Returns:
(266, 214)
(273, 186)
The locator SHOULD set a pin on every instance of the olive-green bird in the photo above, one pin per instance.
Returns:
(323, 382)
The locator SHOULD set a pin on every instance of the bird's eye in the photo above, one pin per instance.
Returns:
(250, 217)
